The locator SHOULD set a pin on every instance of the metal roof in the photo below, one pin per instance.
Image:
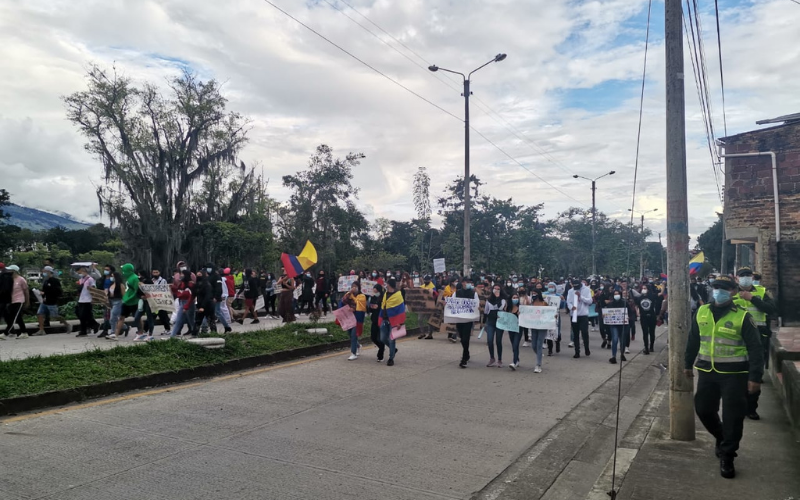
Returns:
(781, 119)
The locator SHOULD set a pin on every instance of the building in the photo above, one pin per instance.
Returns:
(762, 206)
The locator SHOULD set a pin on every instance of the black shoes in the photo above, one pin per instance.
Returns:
(390, 362)
(421, 336)
(255, 321)
(613, 361)
(603, 345)
(726, 468)
(646, 351)
(429, 337)
(102, 334)
(463, 363)
(228, 330)
(753, 416)
(587, 352)
(577, 355)
(622, 357)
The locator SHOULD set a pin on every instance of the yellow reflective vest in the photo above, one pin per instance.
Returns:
(721, 342)
(759, 316)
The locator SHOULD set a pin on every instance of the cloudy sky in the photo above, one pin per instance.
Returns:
(564, 102)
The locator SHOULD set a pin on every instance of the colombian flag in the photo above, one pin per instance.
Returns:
(696, 263)
(295, 265)
(393, 308)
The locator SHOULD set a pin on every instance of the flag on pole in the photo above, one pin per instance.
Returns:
(696, 262)
(296, 265)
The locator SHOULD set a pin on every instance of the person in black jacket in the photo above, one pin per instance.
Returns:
(250, 289)
(467, 291)
(374, 307)
(649, 304)
(205, 303)
(51, 293)
(216, 283)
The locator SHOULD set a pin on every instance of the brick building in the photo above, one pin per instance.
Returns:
(750, 201)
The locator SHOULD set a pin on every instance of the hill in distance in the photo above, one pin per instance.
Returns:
(39, 220)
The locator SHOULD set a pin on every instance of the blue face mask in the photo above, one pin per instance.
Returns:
(106, 272)
(468, 287)
(756, 282)
(515, 301)
(721, 296)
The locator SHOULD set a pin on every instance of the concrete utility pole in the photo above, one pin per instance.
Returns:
(681, 388)
(594, 215)
(723, 266)
(661, 252)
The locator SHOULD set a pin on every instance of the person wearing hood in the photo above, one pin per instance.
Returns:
(205, 304)
(51, 293)
(649, 304)
(495, 303)
(130, 299)
(579, 298)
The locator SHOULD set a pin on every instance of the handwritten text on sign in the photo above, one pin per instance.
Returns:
(458, 310)
(615, 316)
(368, 287)
(507, 322)
(538, 317)
(158, 296)
(345, 282)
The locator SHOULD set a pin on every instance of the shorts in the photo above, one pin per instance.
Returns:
(51, 310)
(129, 310)
(249, 303)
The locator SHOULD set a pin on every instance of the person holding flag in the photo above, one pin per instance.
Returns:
(293, 266)
(392, 315)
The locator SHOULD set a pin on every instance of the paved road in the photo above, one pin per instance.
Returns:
(323, 428)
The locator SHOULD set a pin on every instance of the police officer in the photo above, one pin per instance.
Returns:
(759, 303)
(725, 347)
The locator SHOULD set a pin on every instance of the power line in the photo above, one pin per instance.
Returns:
(721, 78)
(309, 28)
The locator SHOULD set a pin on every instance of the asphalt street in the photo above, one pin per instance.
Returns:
(321, 428)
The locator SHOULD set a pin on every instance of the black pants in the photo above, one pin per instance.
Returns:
(86, 316)
(163, 316)
(14, 313)
(269, 304)
(321, 302)
(208, 314)
(581, 329)
(526, 333)
(752, 399)
(633, 331)
(464, 332)
(649, 331)
(375, 335)
(732, 390)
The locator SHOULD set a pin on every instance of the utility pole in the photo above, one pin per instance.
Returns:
(594, 223)
(641, 254)
(466, 181)
(681, 388)
(661, 252)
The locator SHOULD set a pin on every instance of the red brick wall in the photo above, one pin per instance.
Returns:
(749, 203)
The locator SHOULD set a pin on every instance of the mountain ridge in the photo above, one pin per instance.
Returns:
(40, 220)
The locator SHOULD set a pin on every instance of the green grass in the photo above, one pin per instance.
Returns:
(38, 374)
(412, 320)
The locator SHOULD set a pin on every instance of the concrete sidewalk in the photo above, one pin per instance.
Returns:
(651, 466)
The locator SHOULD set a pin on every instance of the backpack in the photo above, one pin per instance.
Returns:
(6, 287)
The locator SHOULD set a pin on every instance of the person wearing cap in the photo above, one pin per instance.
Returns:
(725, 346)
(51, 292)
(19, 300)
(6, 284)
(756, 300)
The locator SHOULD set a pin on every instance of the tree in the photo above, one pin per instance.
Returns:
(155, 152)
(422, 196)
(710, 242)
(5, 199)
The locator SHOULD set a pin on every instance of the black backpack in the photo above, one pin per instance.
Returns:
(6, 287)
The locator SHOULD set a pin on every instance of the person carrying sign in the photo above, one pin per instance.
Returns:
(495, 303)
(464, 330)
(393, 316)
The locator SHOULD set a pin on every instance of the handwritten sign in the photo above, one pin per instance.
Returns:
(437, 317)
(507, 322)
(158, 296)
(615, 316)
(553, 300)
(346, 318)
(420, 300)
(458, 310)
(345, 282)
(439, 266)
(367, 287)
(538, 317)
(99, 296)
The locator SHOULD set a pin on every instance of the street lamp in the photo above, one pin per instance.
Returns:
(466, 94)
(641, 253)
(594, 214)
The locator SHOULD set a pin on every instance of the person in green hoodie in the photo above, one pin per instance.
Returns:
(130, 299)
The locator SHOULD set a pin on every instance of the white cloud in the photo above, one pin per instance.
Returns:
(301, 91)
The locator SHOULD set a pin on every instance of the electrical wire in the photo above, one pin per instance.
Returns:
(721, 77)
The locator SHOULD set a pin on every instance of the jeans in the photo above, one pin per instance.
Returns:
(116, 312)
(464, 332)
(731, 388)
(616, 334)
(375, 335)
(494, 336)
(580, 329)
(353, 340)
(182, 319)
(386, 338)
(515, 338)
(537, 342)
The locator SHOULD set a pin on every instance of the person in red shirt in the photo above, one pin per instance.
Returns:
(184, 293)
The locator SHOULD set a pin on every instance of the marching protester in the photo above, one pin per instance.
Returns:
(375, 317)
(393, 316)
(163, 316)
(130, 300)
(552, 291)
(17, 289)
(357, 302)
(464, 330)
(619, 333)
(495, 303)
(515, 337)
(538, 336)
(230, 284)
(285, 306)
(84, 308)
(205, 303)
(756, 300)
(649, 304)
(185, 302)
(219, 294)
(51, 292)
(250, 290)
(525, 300)
(271, 295)
(578, 300)
(321, 294)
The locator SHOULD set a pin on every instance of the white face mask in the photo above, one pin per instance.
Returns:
(617, 297)
(746, 281)
(182, 268)
(756, 282)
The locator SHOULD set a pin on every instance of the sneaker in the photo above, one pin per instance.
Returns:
(4, 337)
(571, 344)
(428, 337)
(492, 363)
(254, 322)
(380, 360)
(726, 468)
(40, 333)
(453, 340)
(111, 336)
(613, 361)
(22, 336)
(513, 366)
(538, 369)
(140, 338)
(228, 330)
(526, 344)
(421, 336)
(603, 345)
(754, 416)
(390, 362)
(499, 364)
(463, 363)
(352, 357)
(148, 339)
(622, 357)
(627, 351)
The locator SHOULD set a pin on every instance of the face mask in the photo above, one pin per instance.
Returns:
(746, 281)
(756, 282)
(515, 301)
(644, 290)
(208, 270)
(468, 287)
(497, 293)
(551, 290)
(112, 279)
(106, 272)
(721, 296)
(374, 275)
(508, 283)
(514, 280)
(45, 274)
(617, 297)
(182, 268)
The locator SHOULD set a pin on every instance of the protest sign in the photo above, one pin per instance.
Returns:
(575, 306)
(260, 303)
(437, 317)
(615, 316)
(158, 296)
(367, 286)
(346, 318)
(553, 300)
(593, 310)
(507, 322)
(98, 296)
(345, 282)
(538, 317)
(458, 310)
(420, 300)
(439, 266)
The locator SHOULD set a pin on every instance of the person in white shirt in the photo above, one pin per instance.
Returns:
(495, 303)
(579, 298)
